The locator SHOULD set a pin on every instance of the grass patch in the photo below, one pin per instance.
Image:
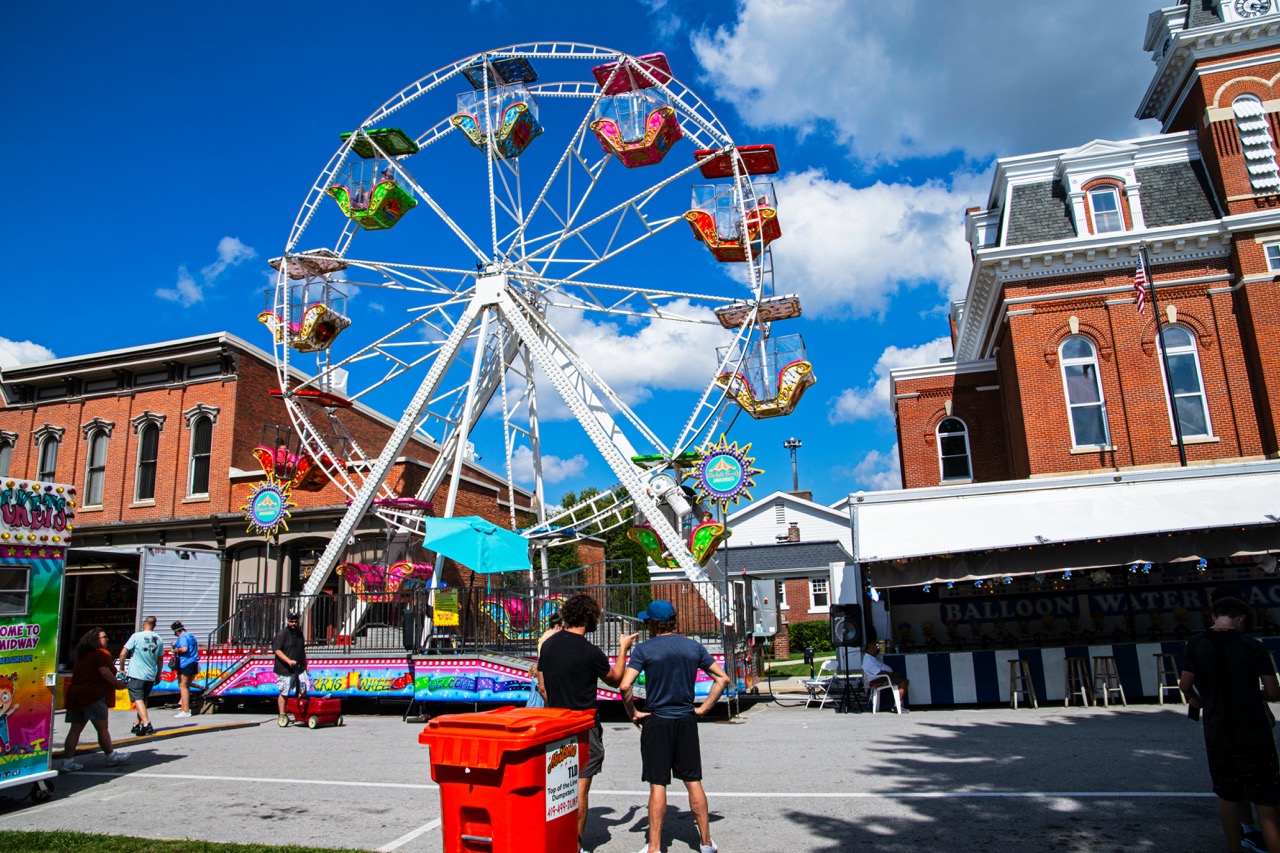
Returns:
(799, 670)
(12, 841)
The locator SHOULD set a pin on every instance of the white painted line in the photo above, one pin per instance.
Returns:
(730, 795)
(405, 839)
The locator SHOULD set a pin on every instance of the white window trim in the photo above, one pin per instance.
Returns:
(137, 465)
(1204, 397)
(1066, 395)
(968, 451)
(782, 595)
(1266, 252)
(819, 608)
(191, 456)
(1105, 189)
(92, 436)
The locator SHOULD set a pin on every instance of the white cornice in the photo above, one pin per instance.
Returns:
(944, 368)
(1190, 47)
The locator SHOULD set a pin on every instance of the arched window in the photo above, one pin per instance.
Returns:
(1186, 380)
(1256, 143)
(148, 452)
(47, 467)
(6, 455)
(201, 450)
(953, 450)
(1104, 206)
(1085, 406)
(96, 468)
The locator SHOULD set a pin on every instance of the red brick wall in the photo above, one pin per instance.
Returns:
(918, 419)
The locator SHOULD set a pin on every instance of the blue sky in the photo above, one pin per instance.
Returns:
(160, 152)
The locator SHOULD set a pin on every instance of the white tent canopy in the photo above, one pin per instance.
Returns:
(976, 531)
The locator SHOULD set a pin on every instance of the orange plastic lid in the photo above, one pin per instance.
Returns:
(479, 740)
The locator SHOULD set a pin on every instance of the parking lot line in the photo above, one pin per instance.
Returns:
(409, 836)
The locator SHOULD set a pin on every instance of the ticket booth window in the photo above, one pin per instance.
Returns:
(14, 589)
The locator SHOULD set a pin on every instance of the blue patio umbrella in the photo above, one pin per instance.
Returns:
(480, 545)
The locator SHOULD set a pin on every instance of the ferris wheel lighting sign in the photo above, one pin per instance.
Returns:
(268, 508)
(726, 474)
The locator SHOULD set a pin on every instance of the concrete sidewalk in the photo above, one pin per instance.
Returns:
(166, 728)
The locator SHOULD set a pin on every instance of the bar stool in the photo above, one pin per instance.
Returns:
(1166, 672)
(1106, 680)
(1078, 681)
(1020, 684)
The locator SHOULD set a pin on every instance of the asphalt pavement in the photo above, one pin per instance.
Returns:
(778, 779)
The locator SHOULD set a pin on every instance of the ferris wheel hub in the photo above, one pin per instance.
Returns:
(490, 284)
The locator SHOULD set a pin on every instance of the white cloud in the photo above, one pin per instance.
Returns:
(872, 400)
(554, 469)
(14, 353)
(921, 79)
(187, 291)
(854, 248)
(879, 471)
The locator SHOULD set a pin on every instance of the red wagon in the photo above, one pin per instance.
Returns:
(315, 711)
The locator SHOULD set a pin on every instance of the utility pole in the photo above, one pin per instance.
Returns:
(793, 444)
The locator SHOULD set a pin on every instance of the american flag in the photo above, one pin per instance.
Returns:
(1140, 282)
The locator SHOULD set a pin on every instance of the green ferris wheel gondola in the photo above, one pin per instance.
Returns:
(387, 204)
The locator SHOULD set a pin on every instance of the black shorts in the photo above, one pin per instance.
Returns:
(595, 752)
(189, 670)
(670, 747)
(1245, 774)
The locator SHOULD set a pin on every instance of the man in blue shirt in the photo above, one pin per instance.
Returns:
(669, 722)
(144, 651)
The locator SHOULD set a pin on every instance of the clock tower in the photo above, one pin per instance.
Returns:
(1231, 11)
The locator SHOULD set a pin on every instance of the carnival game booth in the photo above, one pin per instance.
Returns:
(36, 523)
(1116, 570)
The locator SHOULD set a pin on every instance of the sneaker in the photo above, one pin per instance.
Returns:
(117, 757)
(708, 848)
(181, 714)
(136, 728)
(70, 766)
(1251, 839)
(148, 729)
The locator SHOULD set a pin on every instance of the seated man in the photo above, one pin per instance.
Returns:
(874, 669)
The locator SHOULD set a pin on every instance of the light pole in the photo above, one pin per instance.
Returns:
(793, 444)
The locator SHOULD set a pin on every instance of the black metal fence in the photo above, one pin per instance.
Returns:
(503, 621)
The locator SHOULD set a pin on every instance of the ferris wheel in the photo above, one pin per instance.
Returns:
(506, 197)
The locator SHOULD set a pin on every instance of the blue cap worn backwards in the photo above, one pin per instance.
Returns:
(658, 611)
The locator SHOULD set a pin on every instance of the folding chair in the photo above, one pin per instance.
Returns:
(820, 687)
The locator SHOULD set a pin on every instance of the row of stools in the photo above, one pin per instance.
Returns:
(1100, 687)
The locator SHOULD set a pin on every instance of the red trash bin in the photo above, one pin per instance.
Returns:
(509, 778)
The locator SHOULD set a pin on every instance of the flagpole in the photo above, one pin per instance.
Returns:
(1164, 355)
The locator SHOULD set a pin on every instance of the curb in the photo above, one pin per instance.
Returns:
(166, 734)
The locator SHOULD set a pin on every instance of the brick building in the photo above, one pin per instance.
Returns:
(159, 441)
(1055, 371)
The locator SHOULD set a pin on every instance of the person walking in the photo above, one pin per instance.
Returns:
(89, 697)
(669, 722)
(291, 661)
(143, 651)
(186, 656)
(569, 666)
(1221, 674)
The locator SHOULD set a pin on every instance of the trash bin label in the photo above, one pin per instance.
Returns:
(562, 777)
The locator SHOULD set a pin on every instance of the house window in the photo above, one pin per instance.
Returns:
(14, 588)
(1186, 380)
(6, 456)
(782, 595)
(1104, 205)
(201, 450)
(1273, 257)
(1088, 412)
(818, 594)
(1256, 143)
(148, 452)
(96, 464)
(953, 449)
(47, 468)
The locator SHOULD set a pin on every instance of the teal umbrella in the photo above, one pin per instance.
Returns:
(480, 545)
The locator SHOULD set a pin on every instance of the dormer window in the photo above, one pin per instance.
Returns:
(1104, 209)
(1256, 143)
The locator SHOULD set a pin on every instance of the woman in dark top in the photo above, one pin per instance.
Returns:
(93, 687)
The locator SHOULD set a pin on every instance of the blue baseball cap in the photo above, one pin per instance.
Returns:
(658, 611)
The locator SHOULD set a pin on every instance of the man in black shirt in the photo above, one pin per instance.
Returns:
(1220, 676)
(291, 660)
(569, 666)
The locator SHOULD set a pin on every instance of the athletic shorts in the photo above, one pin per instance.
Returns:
(96, 711)
(140, 689)
(1245, 774)
(189, 670)
(670, 747)
(285, 683)
(595, 752)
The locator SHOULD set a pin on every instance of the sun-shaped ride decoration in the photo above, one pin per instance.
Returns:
(726, 474)
(268, 508)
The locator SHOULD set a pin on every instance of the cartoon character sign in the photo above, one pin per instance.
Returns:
(8, 704)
